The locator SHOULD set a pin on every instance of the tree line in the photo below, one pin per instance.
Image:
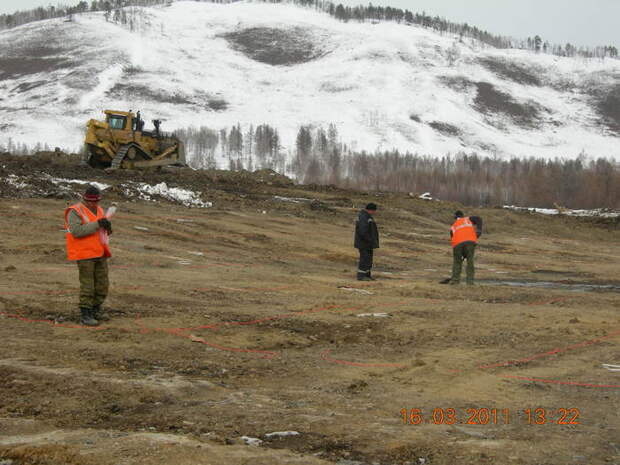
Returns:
(536, 44)
(486, 181)
(343, 13)
(320, 157)
(258, 147)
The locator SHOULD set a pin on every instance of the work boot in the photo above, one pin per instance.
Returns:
(100, 314)
(369, 276)
(87, 317)
(362, 277)
(445, 281)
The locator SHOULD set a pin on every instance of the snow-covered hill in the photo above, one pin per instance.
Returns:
(383, 85)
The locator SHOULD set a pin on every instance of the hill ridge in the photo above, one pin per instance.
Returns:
(383, 85)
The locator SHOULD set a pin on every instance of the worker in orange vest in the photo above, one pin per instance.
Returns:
(464, 234)
(86, 226)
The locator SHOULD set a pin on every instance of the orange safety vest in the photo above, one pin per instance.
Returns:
(83, 248)
(463, 230)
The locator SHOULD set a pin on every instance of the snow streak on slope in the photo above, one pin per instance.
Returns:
(384, 85)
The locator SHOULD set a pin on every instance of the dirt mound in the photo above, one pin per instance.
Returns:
(512, 71)
(607, 104)
(445, 128)
(54, 174)
(271, 178)
(275, 46)
(11, 68)
(456, 83)
(198, 99)
(491, 101)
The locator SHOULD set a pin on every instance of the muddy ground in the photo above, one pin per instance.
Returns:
(244, 319)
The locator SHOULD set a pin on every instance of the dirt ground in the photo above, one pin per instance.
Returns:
(233, 322)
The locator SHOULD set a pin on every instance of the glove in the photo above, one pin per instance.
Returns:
(105, 224)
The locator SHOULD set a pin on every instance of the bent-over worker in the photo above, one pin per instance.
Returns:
(464, 235)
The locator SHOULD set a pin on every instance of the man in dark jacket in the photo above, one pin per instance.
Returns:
(464, 235)
(366, 240)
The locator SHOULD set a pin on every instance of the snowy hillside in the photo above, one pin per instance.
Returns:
(383, 85)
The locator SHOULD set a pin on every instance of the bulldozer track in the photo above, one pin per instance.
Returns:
(120, 155)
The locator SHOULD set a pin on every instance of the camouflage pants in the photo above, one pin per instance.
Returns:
(464, 251)
(93, 281)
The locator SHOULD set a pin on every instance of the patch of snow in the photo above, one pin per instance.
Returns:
(600, 212)
(99, 185)
(376, 315)
(291, 199)
(141, 228)
(426, 196)
(251, 441)
(14, 181)
(354, 289)
(282, 434)
(174, 194)
(609, 367)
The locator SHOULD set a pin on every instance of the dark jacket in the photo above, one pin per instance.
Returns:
(477, 223)
(366, 232)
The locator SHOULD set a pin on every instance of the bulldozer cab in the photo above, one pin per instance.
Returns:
(123, 121)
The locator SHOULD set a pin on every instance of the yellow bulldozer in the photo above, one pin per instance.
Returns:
(121, 142)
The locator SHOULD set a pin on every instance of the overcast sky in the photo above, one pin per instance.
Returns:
(593, 22)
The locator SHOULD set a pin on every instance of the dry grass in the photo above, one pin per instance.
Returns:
(512, 71)
(43, 455)
(276, 343)
(275, 46)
